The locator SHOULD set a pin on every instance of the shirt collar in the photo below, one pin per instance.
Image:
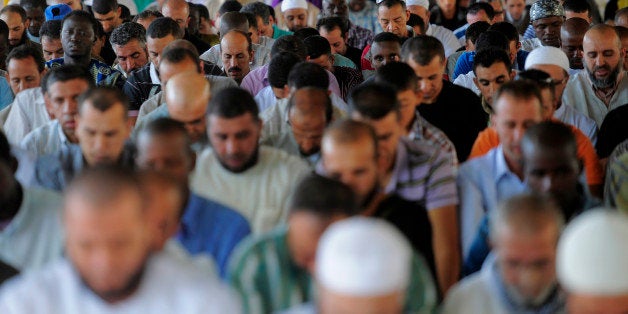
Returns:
(400, 158)
(501, 167)
(154, 77)
(62, 136)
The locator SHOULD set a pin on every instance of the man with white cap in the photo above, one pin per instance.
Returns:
(604, 85)
(519, 276)
(546, 19)
(591, 263)
(446, 36)
(554, 62)
(297, 14)
(363, 265)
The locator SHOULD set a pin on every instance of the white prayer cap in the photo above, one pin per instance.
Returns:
(422, 3)
(293, 4)
(547, 55)
(363, 257)
(593, 254)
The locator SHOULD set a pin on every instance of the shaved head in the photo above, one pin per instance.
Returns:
(187, 95)
(309, 112)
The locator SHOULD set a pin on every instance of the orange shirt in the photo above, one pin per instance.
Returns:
(488, 139)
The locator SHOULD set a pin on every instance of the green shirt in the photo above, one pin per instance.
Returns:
(267, 280)
(278, 32)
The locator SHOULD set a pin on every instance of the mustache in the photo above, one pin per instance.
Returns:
(234, 69)
(602, 67)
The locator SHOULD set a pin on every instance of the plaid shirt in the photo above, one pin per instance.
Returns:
(423, 131)
(367, 18)
(359, 37)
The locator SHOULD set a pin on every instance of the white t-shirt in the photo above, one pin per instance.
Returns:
(260, 193)
(168, 286)
(28, 112)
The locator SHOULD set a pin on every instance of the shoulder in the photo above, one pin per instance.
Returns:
(469, 295)
(206, 207)
(476, 166)
(283, 160)
(47, 284)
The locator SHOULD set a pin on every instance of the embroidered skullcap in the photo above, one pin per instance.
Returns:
(546, 8)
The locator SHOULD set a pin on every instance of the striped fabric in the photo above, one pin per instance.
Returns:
(263, 273)
(424, 174)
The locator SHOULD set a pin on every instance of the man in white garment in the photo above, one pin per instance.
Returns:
(109, 266)
(604, 85)
(238, 172)
(446, 37)
(519, 276)
(591, 262)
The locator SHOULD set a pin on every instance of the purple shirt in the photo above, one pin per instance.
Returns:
(258, 79)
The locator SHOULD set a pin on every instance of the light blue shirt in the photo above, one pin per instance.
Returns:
(482, 183)
(6, 94)
(47, 139)
(33, 238)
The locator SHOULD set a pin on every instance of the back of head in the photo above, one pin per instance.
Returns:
(332, 22)
(363, 257)
(104, 6)
(103, 99)
(487, 57)
(65, 73)
(519, 90)
(492, 39)
(126, 32)
(103, 185)
(164, 127)
(24, 52)
(415, 20)
(347, 131)
(305, 32)
(422, 49)
(592, 254)
(398, 74)
(507, 29)
(233, 20)
(4, 30)
(525, 215)
(147, 14)
(258, 9)
(577, 6)
(186, 91)
(386, 37)
(575, 26)
(296, 108)
(478, 7)
(50, 29)
(538, 77)
(317, 46)
(163, 193)
(83, 16)
(373, 101)
(229, 6)
(232, 102)
(279, 68)
(620, 15)
(164, 26)
(289, 43)
(474, 30)
(547, 136)
(252, 19)
(179, 51)
(308, 74)
(332, 198)
(31, 4)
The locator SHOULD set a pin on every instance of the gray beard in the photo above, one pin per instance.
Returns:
(528, 302)
(607, 82)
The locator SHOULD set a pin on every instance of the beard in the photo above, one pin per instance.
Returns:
(527, 301)
(607, 82)
(368, 198)
(123, 292)
(252, 161)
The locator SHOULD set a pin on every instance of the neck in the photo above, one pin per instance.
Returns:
(12, 204)
(515, 167)
(372, 202)
(81, 60)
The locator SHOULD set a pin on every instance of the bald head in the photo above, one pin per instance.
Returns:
(348, 132)
(177, 10)
(180, 43)
(309, 112)
(602, 33)
(571, 36)
(187, 95)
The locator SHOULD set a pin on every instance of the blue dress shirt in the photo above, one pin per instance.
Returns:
(212, 228)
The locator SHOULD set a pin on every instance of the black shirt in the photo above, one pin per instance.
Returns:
(412, 220)
(200, 45)
(613, 131)
(355, 55)
(437, 17)
(457, 112)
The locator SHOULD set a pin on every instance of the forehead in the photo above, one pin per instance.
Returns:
(173, 143)
(496, 69)
(235, 41)
(227, 125)
(11, 18)
(296, 11)
(22, 63)
(339, 154)
(510, 106)
(76, 23)
(600, 40)
(113, 115)
(385, 47)
(548, 20)
(394, 11)
(547, 157)
(72, 87)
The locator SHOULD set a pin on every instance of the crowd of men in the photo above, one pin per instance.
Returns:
(304, 156)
